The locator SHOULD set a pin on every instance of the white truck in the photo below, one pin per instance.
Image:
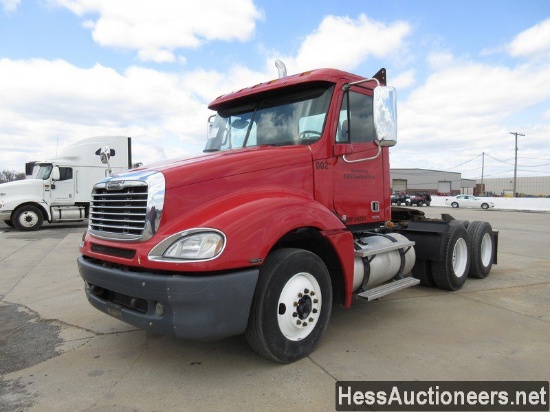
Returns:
(59, 189)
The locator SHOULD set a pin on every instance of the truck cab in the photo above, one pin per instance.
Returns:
(59, 189)
(286, 213)
(329, 116)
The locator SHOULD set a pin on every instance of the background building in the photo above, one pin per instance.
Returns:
(438, 182)
(432, 181)
(525, 186)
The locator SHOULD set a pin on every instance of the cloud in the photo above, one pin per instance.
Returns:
(157, 29)
(438, 60)
(533, 42)
(403, 80)
(9, 5)
(43, 101)
(463, 109)
(345, 43)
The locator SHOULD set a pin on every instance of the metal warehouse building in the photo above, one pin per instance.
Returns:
(525, 186)
(451, 183)
(431, 181)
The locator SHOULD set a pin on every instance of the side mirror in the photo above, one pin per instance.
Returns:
(385, 116)
(209, 126)
(105, 155)
(56, 175)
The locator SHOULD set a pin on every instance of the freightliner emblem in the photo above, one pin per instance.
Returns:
(115, 185)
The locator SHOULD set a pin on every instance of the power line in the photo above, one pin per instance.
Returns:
(467, 161)
(511, 164)
(501, 161)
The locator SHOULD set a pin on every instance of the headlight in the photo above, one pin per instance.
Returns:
(190, 245)
(198, 246)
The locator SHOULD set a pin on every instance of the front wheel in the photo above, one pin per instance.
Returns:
(28, 218)
(485, 206)
(291, 305)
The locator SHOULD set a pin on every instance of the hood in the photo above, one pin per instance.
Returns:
(228, 163)
(27, 187)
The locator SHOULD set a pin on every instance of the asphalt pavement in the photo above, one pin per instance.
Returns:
(58, 353)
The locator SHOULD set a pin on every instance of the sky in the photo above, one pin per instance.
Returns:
(467, 73)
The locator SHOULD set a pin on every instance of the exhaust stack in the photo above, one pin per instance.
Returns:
(281, 68)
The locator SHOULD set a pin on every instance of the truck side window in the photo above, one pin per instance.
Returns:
(65, 173)
(359, 126)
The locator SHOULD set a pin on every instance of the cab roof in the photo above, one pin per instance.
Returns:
(318, 75)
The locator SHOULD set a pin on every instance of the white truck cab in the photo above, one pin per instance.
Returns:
(59, 189)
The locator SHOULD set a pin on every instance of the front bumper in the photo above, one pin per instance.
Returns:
(191, 307)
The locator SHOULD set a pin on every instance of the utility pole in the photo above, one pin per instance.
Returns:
(482, 167)
(516, 134)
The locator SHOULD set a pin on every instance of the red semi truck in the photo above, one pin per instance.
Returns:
(287, 213)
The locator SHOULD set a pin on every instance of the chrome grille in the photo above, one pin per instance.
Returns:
(119, 212)
(127, 207)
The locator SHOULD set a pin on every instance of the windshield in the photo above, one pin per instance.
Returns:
(295, 118)
(44, 171)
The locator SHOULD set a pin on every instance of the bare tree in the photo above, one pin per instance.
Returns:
(10, 175)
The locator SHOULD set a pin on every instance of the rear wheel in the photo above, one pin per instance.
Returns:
(9, 223)
(481, 249)
(454, 204)
(422, 270)
(28, 218)
(451, 273)
(291, 305)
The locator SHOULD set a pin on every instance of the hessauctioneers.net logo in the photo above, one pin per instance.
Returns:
(442, 396)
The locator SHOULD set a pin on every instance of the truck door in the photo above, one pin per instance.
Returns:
(359, 184)
(62, 190)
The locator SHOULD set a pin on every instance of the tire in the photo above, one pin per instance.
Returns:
(420, 203)
(291, 305)
(428, 204)
(464, 223)
(9, 223)
(481, 249)
(451, 273)
(454, 204)
(28, 218)
(484, 206)
(422, 270)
